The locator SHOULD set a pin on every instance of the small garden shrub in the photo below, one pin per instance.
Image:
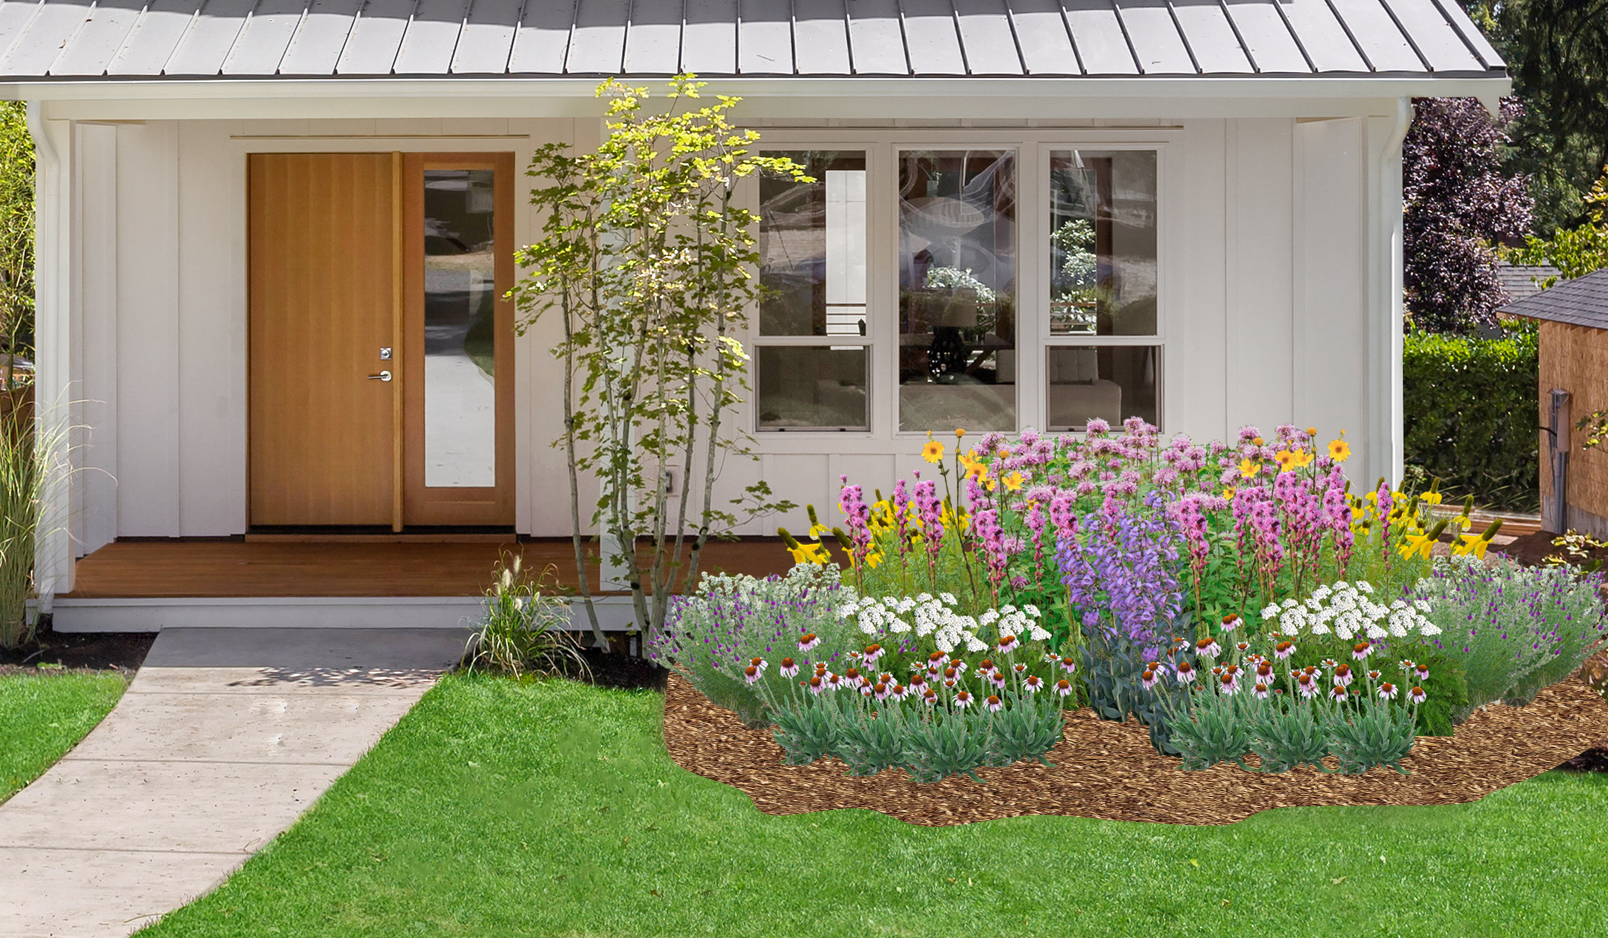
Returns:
(524, 630)
(1513, 629)
(1470, 414)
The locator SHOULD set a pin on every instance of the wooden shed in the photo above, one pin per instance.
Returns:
(1573, 383)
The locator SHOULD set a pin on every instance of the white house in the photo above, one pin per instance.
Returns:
(273, 234)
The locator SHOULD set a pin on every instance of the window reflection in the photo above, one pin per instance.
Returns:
(802, 387)
(812, 247)
(460, 293)
(1111, 382)
(957, 290)
(1103, 242)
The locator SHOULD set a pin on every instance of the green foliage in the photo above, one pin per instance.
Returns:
(1025, 732)
(645, 255)
(1286, 734)
(1447, 690)
(1375, 733)
(1216, 728)
(807, 733)
(16, 237)
(869, 743)
(523, 628)
(1574, 251)
(1471, 411)
(27, 462)
(954, 742)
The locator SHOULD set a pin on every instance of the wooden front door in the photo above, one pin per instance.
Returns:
(381, 349)
(324, 301)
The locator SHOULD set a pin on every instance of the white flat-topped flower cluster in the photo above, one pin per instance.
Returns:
(937, 617)
(1347, 611)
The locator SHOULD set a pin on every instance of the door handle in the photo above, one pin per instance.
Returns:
(382, 376)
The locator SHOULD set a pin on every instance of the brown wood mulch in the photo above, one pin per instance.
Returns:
(1109, 771)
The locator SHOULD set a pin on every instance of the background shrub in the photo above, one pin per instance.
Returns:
(1471, 415)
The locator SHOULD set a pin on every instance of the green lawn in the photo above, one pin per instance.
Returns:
(44, 715)
(496, 808)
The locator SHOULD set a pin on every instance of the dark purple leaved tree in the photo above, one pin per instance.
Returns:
(1458, 206)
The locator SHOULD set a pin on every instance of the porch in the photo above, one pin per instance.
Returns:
(352, 581)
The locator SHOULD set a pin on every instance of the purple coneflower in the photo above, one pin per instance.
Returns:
(816, 684)
(1063, 687)
(789, 667)
(1306, 685)
(1232, 622)
(899, 692)
(1284, 650)
(1208, 648)
(807, 641)
(1361, 650)
(880, 690)
(1260, 690)
(1327, 663)
(1186, 672)
(993, 704)
(1228, 684)
(928, 697)
(985, 667)
(1421, 671)
(998, 678)
(1007, 644)
(1068, 665)
(1338, 692)
(1343, 675)
(873, 652)
(833, 681)
(1032, 684)
(1148, 679)
(1416, 695)
(963, 699)
(1387, 690)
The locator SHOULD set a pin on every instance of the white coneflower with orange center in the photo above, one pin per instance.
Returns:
(1063, 687)
(750, 674)
(1007, 644)
(789, 667)
(1416, 695)
(949, 683)
(963, 699)
(759, 663)
(1374, 675)
(1404, 664)
(1387, 691)
(807, 641)
(1327, 664)
(993, 704)
(1032, 684)
(1243, 647)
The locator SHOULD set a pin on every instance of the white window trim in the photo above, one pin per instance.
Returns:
(1033, 339)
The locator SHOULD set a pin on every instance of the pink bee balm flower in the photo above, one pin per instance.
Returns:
(1361, 650)
(807, 641)
(1063, 687)
(1387, 691)
(1416, 695)
(1032, 684)
(789, 667)
(750, 674)
(963, 699)
(993, 704)
(1284, 650)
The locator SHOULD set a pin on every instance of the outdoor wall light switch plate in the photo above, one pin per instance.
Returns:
(385, 353)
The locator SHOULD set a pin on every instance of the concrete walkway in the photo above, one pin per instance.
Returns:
(223, 739)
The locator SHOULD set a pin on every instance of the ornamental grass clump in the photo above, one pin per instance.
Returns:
(524, 629)
(1513, 629)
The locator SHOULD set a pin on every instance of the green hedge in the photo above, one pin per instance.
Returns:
(1471, 415)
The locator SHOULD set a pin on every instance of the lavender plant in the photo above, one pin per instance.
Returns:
(1514, 629)
(712, 637)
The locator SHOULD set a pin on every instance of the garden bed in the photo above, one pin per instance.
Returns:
(1109, 771)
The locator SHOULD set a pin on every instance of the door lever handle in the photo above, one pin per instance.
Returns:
(382, 376)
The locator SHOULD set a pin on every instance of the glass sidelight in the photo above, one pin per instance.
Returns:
(458, 339)
(460, 363)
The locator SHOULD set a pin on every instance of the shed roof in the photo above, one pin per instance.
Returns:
(1582, 301)
(1522, 281)
(198, 39)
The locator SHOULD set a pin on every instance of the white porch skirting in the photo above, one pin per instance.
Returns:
(315, 612)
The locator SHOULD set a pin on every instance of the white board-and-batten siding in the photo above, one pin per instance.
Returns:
(1274, 308)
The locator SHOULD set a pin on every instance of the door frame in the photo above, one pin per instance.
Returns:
(420, 505)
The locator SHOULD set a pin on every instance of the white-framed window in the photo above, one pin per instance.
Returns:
(978, 279)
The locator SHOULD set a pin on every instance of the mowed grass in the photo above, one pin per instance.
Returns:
(44, 715)
(497, 808)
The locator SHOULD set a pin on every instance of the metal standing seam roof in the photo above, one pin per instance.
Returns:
(198, 39)
(1582, 301)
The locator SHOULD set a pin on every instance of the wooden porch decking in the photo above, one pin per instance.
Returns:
(351, 568)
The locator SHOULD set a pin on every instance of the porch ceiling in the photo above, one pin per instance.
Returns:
(234, 39)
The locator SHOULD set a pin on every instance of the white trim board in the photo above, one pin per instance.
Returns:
(311, 612)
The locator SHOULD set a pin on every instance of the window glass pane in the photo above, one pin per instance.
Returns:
(460, 294)
(1112, 382)
(812, 388)
(957, 290)
(1103, 242)
(812, 247)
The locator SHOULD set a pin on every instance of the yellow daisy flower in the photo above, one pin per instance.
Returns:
(933, 452)
(1286, 460)
(1013, 481)
(1338, 450)
(1248, 469)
